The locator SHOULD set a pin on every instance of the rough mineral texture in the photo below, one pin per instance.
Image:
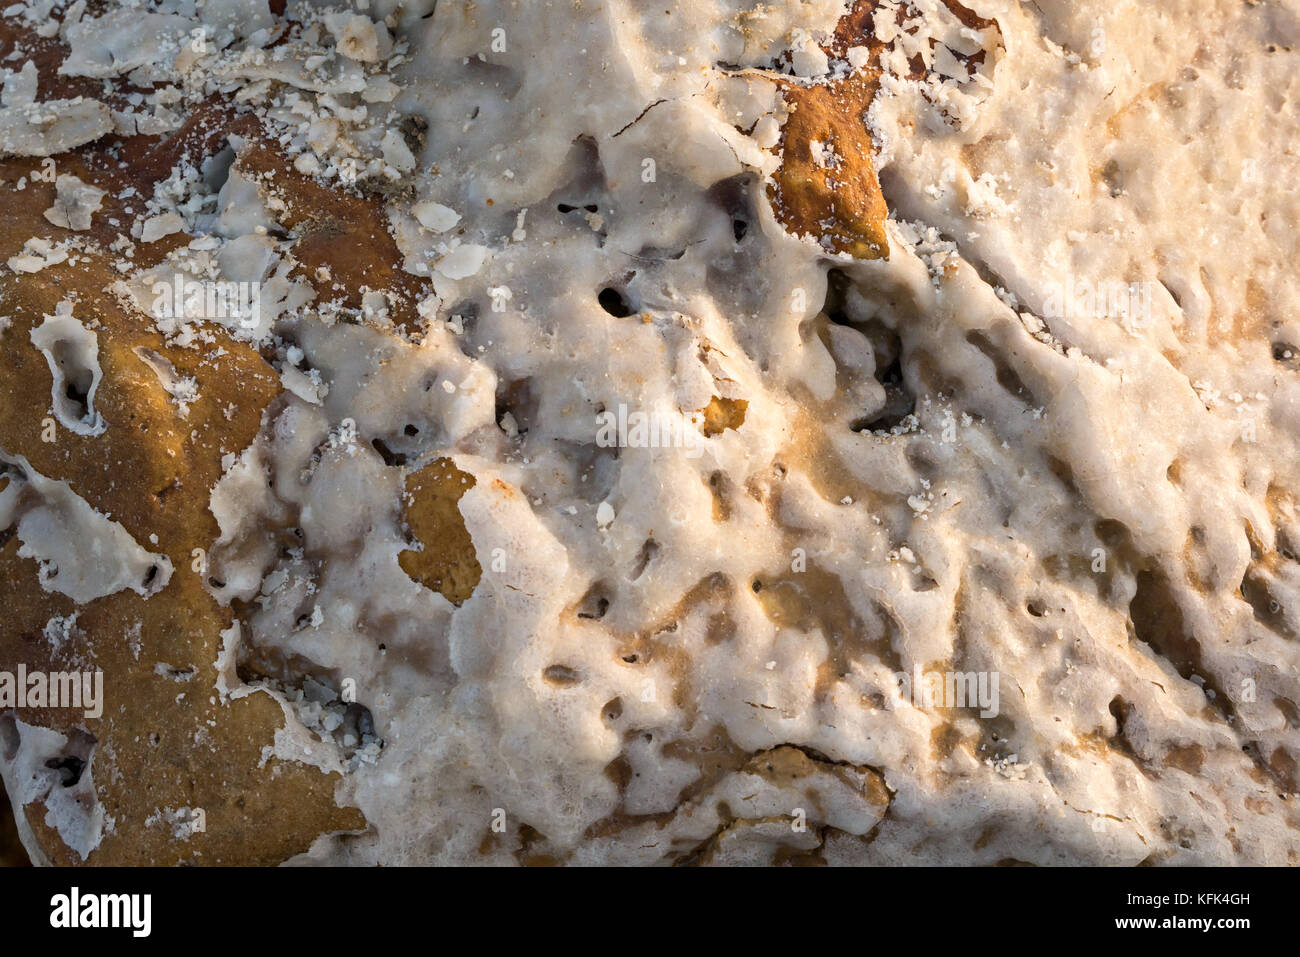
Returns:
(708, 432)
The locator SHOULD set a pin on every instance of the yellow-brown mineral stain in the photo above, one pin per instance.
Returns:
(447, 564)
(152, 471)
(826, 186)
(722, 414)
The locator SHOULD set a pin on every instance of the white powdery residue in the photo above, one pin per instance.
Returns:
(59, 630)
(1009, 767)
(983, 200)
(926, 241)
(184, 391)
(183, 822)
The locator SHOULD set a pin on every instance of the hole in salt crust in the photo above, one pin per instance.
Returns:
(612, 301)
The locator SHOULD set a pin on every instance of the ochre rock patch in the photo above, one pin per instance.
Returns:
(447, 564)
(826, 187)
(161, 743)
(722, 414)
(839, 204)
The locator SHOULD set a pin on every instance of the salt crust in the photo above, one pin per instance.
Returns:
(1119, 144)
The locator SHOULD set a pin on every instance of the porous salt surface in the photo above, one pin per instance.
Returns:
(1050, 441)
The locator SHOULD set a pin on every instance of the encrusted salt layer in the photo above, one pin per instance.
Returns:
(75, 203)
(51, 126)
(80, 552)
(30, 775)
(1051, 441)
(72, 353)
